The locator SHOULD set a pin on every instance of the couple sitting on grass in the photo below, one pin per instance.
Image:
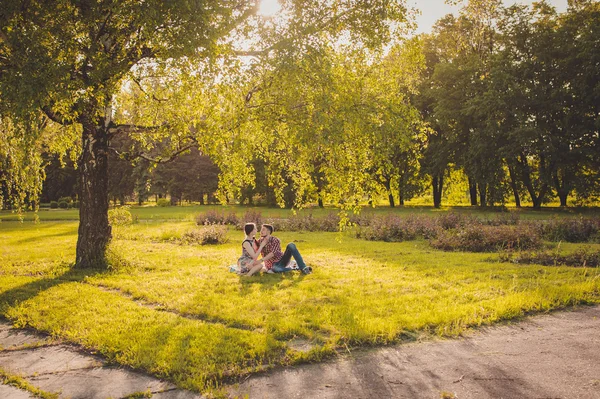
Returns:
(269, 247)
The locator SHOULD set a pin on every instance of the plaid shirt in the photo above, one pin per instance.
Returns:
(273, 246)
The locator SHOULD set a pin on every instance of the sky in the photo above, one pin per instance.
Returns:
(432, 10)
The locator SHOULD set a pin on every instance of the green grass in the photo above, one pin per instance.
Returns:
(189, 212)
(175, 311)
(19, 382)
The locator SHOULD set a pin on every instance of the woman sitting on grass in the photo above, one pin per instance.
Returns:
(247, 263)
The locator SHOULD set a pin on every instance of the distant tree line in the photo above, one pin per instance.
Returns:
(508, 98)
(512, 96)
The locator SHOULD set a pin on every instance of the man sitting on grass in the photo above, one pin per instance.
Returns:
(275, 260)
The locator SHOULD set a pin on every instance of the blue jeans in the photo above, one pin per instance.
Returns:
(290, 250)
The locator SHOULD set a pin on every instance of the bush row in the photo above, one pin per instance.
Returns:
(452, 227)
(64, 203)
(483, 238)
(452, 232)
(205, 235)
(580, 258)
(571, 230)
(304, 222)
(449, 231)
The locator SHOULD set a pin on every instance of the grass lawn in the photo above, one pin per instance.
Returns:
(189, 212)
(176, 312)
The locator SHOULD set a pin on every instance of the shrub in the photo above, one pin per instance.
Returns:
(361, 219)
(231, 219)
(120, 216)
(424, 226)
(331, 222)
(299, 222)
(388, 228)
(307, 222)
(216, 217)
(481, 238)
(75, 204)
(581, 258)
(455, 220)
(505, 219)
(210, 234)
(53, 204)
(163, 202)
(68, 200)
(571, 230)
(252, 216)
(209, 217)
(63, 204)
(395, 228)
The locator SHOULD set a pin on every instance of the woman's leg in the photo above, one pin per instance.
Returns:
(254, 269)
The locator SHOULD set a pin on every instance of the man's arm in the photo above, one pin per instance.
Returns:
(263, 243)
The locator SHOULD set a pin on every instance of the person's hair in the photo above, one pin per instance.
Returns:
(269, 226)
(248, 227)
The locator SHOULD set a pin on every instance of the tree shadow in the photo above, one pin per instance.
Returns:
(22, 293)
(270, 282)
(36, 238)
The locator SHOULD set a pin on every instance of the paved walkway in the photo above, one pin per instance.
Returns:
(65, 369)
(545, 357)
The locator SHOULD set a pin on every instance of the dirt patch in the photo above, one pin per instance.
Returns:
(300, 345)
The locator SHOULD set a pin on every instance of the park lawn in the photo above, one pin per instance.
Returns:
(189, 212)
(175, 311)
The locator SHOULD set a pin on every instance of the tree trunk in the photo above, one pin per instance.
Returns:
(438, 184)
(391, 200)
(563, 199)
(526, 177)
(513, 185)
(401, 184)
(561, 189)
(388, 186)
(473, 192)
(94, 231)
(320, 201)
(482, 194)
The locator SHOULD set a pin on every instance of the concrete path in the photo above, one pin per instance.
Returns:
(64, 369)
(545, 357)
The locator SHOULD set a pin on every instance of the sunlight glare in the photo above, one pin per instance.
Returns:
(269, 8)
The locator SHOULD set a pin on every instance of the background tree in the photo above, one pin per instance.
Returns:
(60, 178)
(70, 59)
(189, 177)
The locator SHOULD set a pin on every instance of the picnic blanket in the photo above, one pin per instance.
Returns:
(236, 269)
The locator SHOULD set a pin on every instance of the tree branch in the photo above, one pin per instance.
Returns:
(125, 128)
(157, 160)
(55, 117)
(4, 38)
(139, 84)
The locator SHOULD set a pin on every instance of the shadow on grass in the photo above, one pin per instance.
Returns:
(269, 282)
(30, 290)
(37, 238)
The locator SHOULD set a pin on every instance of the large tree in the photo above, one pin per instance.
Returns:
(68, 59)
